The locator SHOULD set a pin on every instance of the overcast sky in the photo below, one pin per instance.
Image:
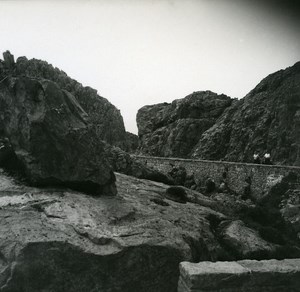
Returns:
(143, 52)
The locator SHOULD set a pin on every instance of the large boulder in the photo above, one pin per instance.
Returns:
(174, 129)
(245, 242)
(51, 141)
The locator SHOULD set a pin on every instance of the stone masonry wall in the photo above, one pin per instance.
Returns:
(260, 177)
(240, 276)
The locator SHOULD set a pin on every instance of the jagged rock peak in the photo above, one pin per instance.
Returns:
(9, 60)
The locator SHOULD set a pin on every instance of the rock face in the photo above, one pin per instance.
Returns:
(60, 240)
(267, 119)
(105, 117)
(132, 142)
(207, 126)
(50, 139)
(174, 129)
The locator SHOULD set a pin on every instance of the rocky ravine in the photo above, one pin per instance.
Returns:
(216, 127)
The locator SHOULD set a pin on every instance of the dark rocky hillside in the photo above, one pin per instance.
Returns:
(267, 119)
(207, 126)
(104, 116)
(174, 129)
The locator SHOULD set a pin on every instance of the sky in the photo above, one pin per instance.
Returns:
(142, 52)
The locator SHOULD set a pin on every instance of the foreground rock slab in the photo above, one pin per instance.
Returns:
(61, 240)
(240, 276)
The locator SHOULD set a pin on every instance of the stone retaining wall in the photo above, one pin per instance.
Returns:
(240, 276)
(259, 177)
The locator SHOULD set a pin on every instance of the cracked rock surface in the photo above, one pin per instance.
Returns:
(62, 240)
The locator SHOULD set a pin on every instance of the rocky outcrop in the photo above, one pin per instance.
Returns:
(48, 138)
(213, 127)
(60, 240)
(267, 119)
(132, 142)
(105, 117)
(244, 241)
(174, 129)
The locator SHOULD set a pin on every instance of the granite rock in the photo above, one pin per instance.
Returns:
(51, 140)
(60, 240)
(174, 129)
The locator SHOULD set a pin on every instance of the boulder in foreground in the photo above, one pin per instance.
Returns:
(51, 140)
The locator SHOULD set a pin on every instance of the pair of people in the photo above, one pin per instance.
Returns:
(266, 159)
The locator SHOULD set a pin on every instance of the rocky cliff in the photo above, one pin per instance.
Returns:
(216, 127)
(174, 129)
(104, 116)
(267, 119)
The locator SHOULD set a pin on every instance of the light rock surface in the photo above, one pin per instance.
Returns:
(59, 240)
(208, 126)
(241, 276)
(244, 241)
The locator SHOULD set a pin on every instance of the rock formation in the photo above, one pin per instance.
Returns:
(267, 119)
(207, 126)
(60, 240)
(105, 117)
(53, 237)
(174, 129)
(122, 162)
(50, 140)
(132, 142)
